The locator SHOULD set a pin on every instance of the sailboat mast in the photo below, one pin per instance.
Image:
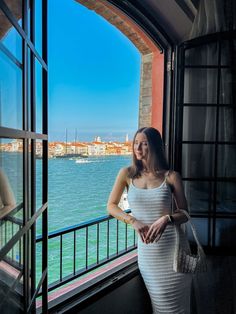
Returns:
(76, 149)
(66, 141)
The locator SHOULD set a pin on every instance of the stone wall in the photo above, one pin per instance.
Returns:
(145, 101)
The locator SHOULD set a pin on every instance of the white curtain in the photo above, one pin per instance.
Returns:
(214, 16)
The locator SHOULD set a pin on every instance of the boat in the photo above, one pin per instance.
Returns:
(82, 161)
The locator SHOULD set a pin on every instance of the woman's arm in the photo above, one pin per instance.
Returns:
(176, 183)
(112, 205)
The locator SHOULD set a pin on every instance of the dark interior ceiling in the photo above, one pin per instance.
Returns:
(174, 18)
(171, 19)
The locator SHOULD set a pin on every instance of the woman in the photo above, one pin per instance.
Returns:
(150, 187)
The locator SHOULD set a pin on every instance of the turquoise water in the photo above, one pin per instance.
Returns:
(77, 192)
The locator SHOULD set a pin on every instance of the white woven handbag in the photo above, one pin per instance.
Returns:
(184, 260)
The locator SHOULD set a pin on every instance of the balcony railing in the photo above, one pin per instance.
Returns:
(79, 249)
(76, 250)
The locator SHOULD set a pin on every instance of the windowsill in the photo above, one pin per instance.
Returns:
(82, 289)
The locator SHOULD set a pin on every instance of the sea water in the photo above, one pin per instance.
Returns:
(77, 192)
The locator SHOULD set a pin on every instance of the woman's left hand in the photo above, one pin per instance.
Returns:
(156, 229)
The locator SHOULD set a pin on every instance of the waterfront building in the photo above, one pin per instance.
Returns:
(97, 139)
(80, 148)
(126, 148)
(60, 149)
(96, 149)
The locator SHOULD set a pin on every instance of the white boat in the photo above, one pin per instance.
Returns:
(82, 161)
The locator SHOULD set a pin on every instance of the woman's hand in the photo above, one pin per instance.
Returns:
(156, 229)
(141, 228)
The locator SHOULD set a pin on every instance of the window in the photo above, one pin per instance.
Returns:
(205, 136)
(23, 123)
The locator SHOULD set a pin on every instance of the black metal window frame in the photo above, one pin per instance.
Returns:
(176, 157)
(27, 234)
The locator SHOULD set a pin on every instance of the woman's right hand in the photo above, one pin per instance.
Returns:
(141, 228)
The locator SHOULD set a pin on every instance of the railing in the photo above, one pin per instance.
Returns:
(10, 225)
(79, 249)
(76, 250)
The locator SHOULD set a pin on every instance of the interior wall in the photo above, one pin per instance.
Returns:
(130, 297)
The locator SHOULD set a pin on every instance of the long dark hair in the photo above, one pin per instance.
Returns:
(156, 160)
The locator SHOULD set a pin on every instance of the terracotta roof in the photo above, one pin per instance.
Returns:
(98, 143)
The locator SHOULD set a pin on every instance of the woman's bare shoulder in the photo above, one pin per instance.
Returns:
(174, 175)
(124, 174)
(173, 178)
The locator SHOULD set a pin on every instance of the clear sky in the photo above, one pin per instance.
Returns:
(94, 75)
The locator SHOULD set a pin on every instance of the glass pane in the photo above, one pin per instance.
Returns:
(202, 55)
(226, 233)
(199, 196)
(11, 292)
(200, 86)
(226, 197)
(227, 124)
(16, 9)
(11, 189)
(29, 17)
(38, 26)
(10, 38)
(201, 225)
(10, 93)
(227, 86)
(11, 167)
(10, 224)
(39, 262)
(29, 90)
(198, 160)
(39, 175)
(38, 90)
(226, 161)
(204, 118)
(228, 55)
(54, 259)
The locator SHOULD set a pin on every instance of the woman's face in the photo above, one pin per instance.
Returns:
(141, 146)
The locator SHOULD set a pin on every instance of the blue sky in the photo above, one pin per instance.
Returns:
(94, 75)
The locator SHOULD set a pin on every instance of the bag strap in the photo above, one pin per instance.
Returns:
(192, 227)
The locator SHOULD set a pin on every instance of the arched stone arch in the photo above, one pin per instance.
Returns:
(15, 7)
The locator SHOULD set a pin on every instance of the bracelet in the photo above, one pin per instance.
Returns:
(132, 220)
(129, 220)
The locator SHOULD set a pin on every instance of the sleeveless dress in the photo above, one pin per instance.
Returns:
(169, 291)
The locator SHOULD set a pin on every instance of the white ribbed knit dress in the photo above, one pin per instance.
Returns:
(169, 291)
